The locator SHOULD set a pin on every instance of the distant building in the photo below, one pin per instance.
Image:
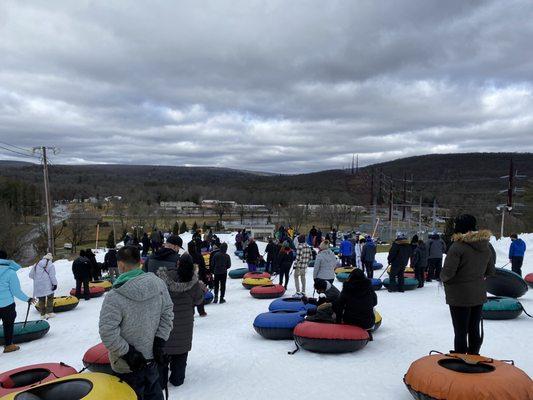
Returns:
(177, 205)
(210, 204)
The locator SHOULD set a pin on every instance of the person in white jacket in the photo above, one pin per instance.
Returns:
(357, 247)
(44, 285)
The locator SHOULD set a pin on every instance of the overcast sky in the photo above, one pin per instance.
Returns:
(279, 86)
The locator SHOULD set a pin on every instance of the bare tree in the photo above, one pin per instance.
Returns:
(296, 215)
(10, 237)
(221, 209)
(77, 226)
(40, 244)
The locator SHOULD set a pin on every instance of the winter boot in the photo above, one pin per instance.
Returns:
(222, 301)
(11, 348)
(216, 300)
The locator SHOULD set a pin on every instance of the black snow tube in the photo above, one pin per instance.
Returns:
(506, 284)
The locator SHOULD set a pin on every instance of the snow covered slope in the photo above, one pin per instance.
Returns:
(230, 361)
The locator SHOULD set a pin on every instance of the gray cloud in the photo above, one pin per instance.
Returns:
(265, 85)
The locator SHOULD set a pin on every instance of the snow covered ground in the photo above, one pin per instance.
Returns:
(230, 360)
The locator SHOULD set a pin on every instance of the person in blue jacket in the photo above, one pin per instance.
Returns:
(9, 289)
(346, 250)
(516, 253)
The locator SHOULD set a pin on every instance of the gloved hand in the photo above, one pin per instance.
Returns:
(31, 300)
(134, 359)
(54, 288)
(160, 357)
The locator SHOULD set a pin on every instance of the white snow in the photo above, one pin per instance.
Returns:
(230, 360)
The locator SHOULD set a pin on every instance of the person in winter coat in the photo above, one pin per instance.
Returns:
(110, 263)
(95, 269)
(368, 256)
(135, 322)
(238, 240)
(346, 250)
(146, 244)
(252, 255)
(271, 251)
(419, 262)
(517, 251)
(325, 263)
(185, 292)
(356, 302)
(327, 293)
(285, 259)
(357, 248)
(155, 238)
(221, 264)
(9, 289)
(436, 250)
(304, 255)
(471, 258)
(204, 275)
(44, 285)
(81, 269)
(398, 258)
(166, 257)
(414, 244)
(334, 237)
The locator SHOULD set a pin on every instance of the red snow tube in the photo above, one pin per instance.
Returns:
(267, 291)
(24, 377)
(95, 291)
(330, 338)
(96, 359)
(256, 275)
(529, 279)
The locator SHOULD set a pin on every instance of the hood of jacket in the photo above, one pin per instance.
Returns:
(175, 286)
(478, 240)
(163, 253)
(359, 288)
(403, 242)
(8, 264)
(140, 288)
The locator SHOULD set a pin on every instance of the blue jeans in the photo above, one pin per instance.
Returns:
(252, 267)
(145, 382)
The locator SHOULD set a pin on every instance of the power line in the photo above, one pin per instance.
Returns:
(17, 152)
(16, 147)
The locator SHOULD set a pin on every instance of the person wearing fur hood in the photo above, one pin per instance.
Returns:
(470, 259)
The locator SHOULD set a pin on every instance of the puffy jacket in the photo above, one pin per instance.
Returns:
(436, 248)
(81, 268)
(420, 256)
(10, 284)
(110, 259)
(221, 262)
(162, 258)
(517, 248)
(252, 253)
(355, 305)
(368, 254)
(346, 248)
(325, 264)
(44, 277)
(285, 259)
(470, 259)
(399, 254)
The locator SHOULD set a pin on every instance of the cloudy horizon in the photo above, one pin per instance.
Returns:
(269, 86)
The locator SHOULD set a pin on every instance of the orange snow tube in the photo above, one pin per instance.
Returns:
(466, 377)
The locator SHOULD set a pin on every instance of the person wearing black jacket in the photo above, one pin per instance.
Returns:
(285, 260)
(146, 244)
(252, 255)
(203, 273)
(221, 263)
(327, 293)
(399, 255)
(95, 268)
(271, 250)
(419, 262)
(81, 268)
(166, 257)
(110, 263)
(356, 302)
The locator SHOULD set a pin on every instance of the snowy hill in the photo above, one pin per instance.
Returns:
(230, 360)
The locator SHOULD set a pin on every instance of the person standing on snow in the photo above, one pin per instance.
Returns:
(9, 289)
(346, 251)
(44, 285)
(436, 250)
(419, 262)
(110, 263)
(304, 255)
(155, 238)
(285, 260)
(186, 293)
(95, 269)
(517, 251)
(325, 263)
(368, 256)
(271, 251)
(471, 258)
(398, 258)
(166, 257)
(145, 241)
(81, 269)
(135, 322)
(252, 255)
(221, 264)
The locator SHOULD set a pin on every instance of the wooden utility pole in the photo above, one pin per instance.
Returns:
(48, 201)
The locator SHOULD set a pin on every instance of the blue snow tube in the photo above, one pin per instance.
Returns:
(377, 265)
(376, 284)
(290, 304)
(279, 324)
(208, 297)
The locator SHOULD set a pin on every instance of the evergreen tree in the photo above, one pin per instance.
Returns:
(110, 244)
(183, 227)
(205, 227)
(194, 227)
(176, 228)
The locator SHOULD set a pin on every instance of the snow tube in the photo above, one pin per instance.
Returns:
(256, 275)
(343, 270)
(290, 304)
(377, 265)
(208, 297)
(335, 250)
(501, 308)
(466, 377)
(94, 291)
(529, 279)
(343, 276)
(24, 377)
(279, 324)
(410, 272)
(239, 253)
(96, 359)
(32, 331)
(106, 285)
(267, 291)
(88, 386)
(330, 338)
(63, 303)
(249, 283)
(408, 284)
(376, 283)
(238, 273)
(377, 321)
(506, 284)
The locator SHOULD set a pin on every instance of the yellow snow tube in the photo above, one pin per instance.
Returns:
(103, 284)
(63, 303)
(408, 270)
(249, 283)
(343, 269)
(206, 257)
(88, 386)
